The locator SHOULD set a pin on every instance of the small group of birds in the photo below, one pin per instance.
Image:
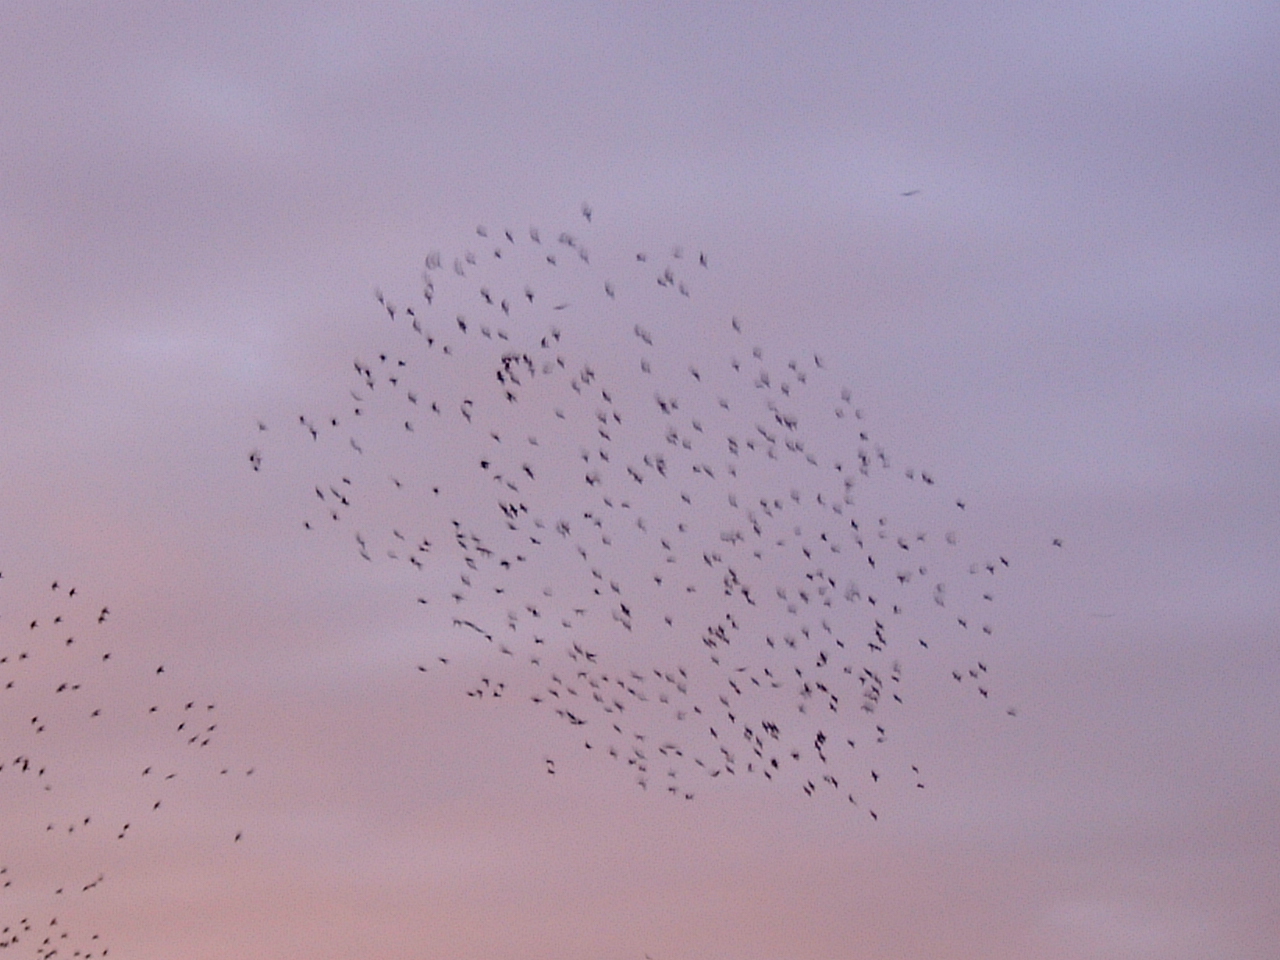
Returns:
(68, 689)
(683, 544)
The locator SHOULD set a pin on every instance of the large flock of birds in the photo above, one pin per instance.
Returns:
(97, 742)
(605, 498)
(599, 495)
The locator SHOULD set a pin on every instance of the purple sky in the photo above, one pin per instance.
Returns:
(1072, 324)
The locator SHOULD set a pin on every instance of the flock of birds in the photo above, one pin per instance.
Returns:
(605, 499)
(598, 496)
(72, 703)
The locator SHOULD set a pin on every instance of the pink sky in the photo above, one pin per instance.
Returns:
(1072, 324)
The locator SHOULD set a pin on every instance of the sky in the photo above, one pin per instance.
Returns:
(1037, 243)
